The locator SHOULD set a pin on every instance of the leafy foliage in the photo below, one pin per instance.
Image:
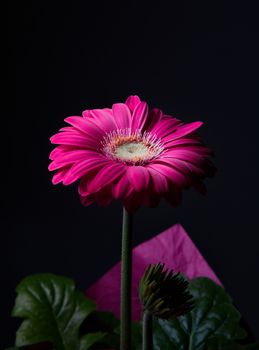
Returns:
(214, 320)
(53, 311)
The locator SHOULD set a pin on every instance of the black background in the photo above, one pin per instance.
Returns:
(197, 61)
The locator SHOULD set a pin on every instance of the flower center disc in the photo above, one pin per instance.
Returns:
(132, 148)
(131, 151)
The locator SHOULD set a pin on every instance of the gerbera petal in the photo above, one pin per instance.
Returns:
(106, 176)
(104, 119)
(185, 155)
(186, 129)
(139, 116)
(199, 150)
(78, 123)
(87, 127)
(122, 115)
(59, 150)
(139, 177)
(122, 187)
(93, 131)
(190, 140)
(152, 119)
(159, 181)
(67, 128)
(84, 167)
(70, 158)
(132, 101)
(174, 175)
(184, 166)
(74, 139)
(86, 113)
(59, 176)
(82, 187)
(166, 126)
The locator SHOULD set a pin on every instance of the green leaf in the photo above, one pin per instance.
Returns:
(90, 339)
(213, 319)
(53, 311)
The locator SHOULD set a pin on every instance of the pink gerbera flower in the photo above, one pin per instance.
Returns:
(130, 153)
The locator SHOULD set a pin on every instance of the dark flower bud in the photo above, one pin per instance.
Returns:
(164, 293)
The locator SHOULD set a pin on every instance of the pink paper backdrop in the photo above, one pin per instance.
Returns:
(172, 247)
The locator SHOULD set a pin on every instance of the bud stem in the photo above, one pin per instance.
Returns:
(126, 273)
(147, 331)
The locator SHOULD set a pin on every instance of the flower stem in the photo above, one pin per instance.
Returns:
(126, 271)
(147, 331)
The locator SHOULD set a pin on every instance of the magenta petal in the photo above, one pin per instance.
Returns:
(186, 129)
(82, 188)
(172, 174)
(139, 116)
(122, 115)
(59, 150)
(82, 168)
(159, 181)
(121, 188)
(186, 141)
(59, 176)
(138, 177)
(132, 102)
(104, 119)
(173, 247)
(86, 114)
(75, 139)
(71, 157)
(184, 155)
(189, 168)
(67, 128)
(109, 173)
(166, 126)
(78, 122)
(152, 119)
(175, 163)
(94, 127)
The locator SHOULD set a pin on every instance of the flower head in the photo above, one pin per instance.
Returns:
(163, 293)
(130, 153)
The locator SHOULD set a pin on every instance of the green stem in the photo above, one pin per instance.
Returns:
(126, 271)
(147, 331)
